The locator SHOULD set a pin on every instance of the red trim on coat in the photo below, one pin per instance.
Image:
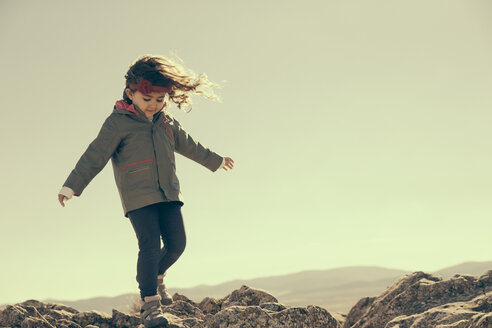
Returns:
(168, 131)
(145, 160)
(172, 137)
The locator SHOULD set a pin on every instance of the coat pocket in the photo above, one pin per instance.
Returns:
(139, 178)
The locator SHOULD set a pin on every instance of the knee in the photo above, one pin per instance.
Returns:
(150, 253)
(177, 248)
(149, 244)
(182, 246)
(150, 249)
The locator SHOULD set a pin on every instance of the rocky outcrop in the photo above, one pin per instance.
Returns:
(245, 307)
(417, 300)
(422, 300)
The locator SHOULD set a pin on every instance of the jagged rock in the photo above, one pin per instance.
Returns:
(358, 310)
(272, 306)
(39, 314)
(13, 315)
(237, 316)
(192, 323)
(173, 321)
(183, 309)
(123, 320)
(240, 316)
(456, 315)
(308, 317)
(35, 323)
(418, 293)
(100, 319)
(246, 296)
(209, 305)
(179, 297)
(65, 323)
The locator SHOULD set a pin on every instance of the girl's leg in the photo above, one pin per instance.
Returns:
(145, 222)
(173, 234)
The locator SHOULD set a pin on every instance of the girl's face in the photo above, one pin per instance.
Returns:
(149, 103)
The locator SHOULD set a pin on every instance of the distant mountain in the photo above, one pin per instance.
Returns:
(472, 268)
(337, 290)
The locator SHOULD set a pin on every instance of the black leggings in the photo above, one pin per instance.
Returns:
(150, 224)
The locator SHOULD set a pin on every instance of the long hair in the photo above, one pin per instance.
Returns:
(164, 72)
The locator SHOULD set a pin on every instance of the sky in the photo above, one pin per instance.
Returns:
(360, 132)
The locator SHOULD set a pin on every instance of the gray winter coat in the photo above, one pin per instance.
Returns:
(142, 155)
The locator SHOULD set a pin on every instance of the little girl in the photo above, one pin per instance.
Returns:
(141, 136)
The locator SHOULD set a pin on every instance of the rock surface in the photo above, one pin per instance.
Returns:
(422, 300)
(417, 300)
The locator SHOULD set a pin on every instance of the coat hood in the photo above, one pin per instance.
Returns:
(122, 107)
(122, 104)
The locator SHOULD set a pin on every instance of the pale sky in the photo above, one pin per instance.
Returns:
(360, 132)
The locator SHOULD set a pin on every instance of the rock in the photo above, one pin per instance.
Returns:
(237, 316)
(100, 319)
(209, 305)
(123, 320)
(423, 296)
(33, 313)
(240, 316)
(246, 296)
(33, 322)
(13, 315)
(65, 323)
(179, 297)
(358, 311)
(173, 321)
(272, 306)
(36, 314)
(183, 309)
(456, 315)
(192, 323)
(311, 316)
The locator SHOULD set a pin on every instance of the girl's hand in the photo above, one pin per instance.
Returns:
(229, 163)
(61, 198)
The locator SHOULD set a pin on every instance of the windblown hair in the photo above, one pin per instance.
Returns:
(164, 72)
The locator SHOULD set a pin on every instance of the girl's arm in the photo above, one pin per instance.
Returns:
(194, 150)
(94, 158)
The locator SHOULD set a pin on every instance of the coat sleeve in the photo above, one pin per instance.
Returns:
(94, 158)
(194, 150)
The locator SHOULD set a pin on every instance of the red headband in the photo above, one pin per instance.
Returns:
(146, 87)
